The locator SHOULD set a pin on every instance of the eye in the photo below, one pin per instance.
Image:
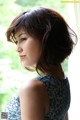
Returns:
(22, 39)
(16, 42)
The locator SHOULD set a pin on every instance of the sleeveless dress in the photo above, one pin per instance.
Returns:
(59, 99)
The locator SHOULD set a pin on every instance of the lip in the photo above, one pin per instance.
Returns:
(22, 57)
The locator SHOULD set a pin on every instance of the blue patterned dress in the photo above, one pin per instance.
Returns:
(59, 99)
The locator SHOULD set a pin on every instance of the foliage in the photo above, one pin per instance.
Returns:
(11, 8)
(55, 4)
(8, 9)
(11, 72)
(25, 3)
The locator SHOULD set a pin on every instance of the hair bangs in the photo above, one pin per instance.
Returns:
(17, 24)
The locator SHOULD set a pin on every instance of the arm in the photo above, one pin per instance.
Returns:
(32, 101)
(66, 116)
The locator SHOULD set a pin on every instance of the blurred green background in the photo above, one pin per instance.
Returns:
(11, 72)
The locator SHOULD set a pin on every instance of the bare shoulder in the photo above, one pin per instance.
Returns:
(35, 88)
(33, 100)
(33, 84)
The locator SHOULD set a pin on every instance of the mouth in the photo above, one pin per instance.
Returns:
(22, 57)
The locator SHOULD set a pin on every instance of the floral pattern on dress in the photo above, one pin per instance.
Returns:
(59, 99)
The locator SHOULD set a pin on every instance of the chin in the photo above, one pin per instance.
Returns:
(27, 65)
(30, 67)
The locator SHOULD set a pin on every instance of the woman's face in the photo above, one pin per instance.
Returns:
(28, 48)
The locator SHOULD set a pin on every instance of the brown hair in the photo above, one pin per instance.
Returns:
(51, 29)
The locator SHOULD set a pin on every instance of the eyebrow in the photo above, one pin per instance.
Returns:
(21, 34)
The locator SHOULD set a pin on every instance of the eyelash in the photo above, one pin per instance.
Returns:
(16, 42)
(22, 39)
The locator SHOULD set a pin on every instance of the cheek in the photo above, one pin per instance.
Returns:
(37, 50)
(32, 48)
(34, 51)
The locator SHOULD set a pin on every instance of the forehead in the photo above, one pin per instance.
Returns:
(20, 32)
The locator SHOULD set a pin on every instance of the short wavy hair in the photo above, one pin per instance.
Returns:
(52, 31)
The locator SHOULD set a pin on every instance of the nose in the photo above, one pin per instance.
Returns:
(18, 49)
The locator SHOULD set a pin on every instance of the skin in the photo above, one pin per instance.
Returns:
(28, 48)
(34, 100)
(33, 95)
(66, 116)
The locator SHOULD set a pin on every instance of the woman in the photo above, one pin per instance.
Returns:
(43, 40)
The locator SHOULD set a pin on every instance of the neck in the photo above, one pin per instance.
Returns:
(58, 72)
